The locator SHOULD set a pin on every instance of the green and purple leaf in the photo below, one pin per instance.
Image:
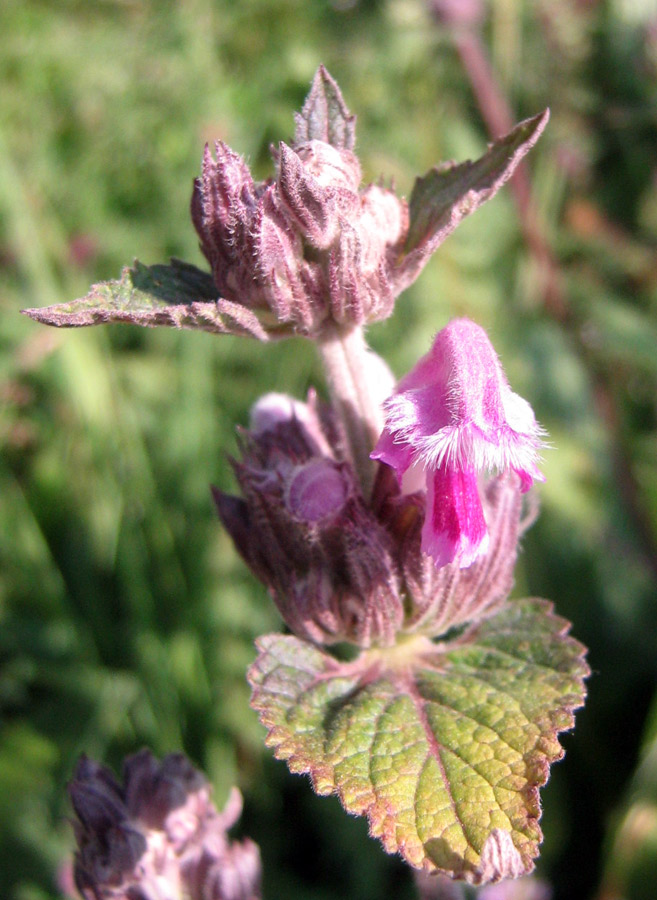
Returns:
(178, 296)
(442, 198)
(443, 746)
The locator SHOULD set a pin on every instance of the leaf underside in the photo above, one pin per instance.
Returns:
(442, 198)
(177, 295)
(442, 746)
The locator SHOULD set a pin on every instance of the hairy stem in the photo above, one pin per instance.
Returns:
(349, 375)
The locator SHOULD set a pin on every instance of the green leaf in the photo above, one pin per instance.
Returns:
(443, 746)
(325, 116)
(178, 296)
(443, 197)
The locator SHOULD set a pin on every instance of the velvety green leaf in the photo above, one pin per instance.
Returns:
(325, 116)
(443, 197)
(178, 295)
(442, 745)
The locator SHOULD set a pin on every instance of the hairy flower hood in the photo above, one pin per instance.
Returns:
(453, 417)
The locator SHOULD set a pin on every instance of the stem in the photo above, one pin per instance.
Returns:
(349, 375)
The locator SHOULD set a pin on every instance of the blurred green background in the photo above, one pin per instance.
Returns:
(125, 616)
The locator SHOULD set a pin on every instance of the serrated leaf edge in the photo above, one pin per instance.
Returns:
(546, 751)
(214, 316)
(415, 256)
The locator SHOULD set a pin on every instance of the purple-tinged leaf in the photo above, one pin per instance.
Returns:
(443, 197)
(325, 116)
(443, 746)
(178, 296)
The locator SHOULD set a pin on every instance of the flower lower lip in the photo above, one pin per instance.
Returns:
(455, 415)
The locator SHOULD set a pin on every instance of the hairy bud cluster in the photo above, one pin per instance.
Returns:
(304, 529)
(307, 247)
(343, 568)
(158, 836)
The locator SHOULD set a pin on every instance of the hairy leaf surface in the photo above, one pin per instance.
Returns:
(177, 295)
(443, 746)
(442, 198)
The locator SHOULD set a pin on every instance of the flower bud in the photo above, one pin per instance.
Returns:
(153, 790)
(316, 492)
(306, 250)
(109, 846)
(304, 529)
(158, 836)
(318, 186)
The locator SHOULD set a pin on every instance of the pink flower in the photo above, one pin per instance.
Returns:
(454, 416)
